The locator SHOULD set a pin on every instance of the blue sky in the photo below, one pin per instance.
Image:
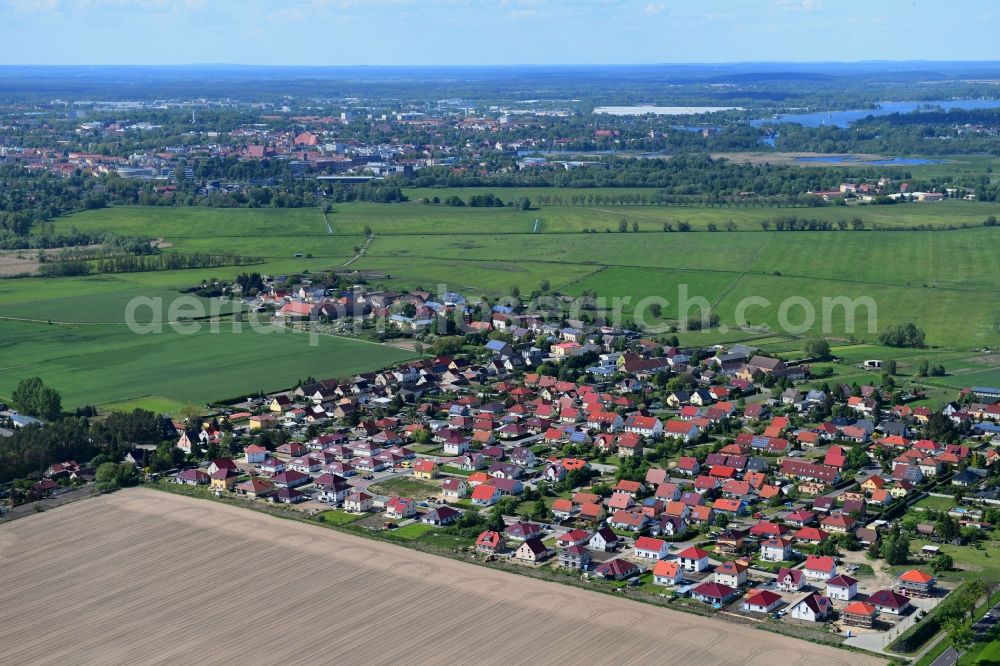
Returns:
(470, 32)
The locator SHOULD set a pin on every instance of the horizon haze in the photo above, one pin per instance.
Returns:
(503, 32)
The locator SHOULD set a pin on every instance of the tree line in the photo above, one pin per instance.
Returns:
(128, 263)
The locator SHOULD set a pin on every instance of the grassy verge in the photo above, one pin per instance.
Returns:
(986, 652)
(931, 655)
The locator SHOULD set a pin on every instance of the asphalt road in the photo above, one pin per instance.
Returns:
(947, 658)
(982, 626)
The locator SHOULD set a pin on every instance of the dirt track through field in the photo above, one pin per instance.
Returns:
(142, 576)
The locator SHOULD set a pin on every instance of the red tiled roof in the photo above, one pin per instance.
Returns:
(820, 563)
(649, 543)
(916, 576)
(763, 598)
(713, 590)
(692, 553)
(860, 608)
(841, 580)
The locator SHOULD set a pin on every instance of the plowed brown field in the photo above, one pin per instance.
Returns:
(142, 576)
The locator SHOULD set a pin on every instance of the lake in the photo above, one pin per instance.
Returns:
(852, 160)
(845, 118)
(661, 110)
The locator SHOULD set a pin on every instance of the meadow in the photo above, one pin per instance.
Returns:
(942, 280)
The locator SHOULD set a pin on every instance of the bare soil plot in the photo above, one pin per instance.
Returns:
(18, 262)
(25, 262)
(145, 577)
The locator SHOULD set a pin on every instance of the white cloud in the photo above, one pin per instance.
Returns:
(654, 8)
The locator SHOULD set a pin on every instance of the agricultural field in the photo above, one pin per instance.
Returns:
(601, 217)
(84, 597)
(275, 234)
(939, 280)
(72, 331)
(110, 366)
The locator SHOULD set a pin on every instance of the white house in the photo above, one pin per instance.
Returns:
(648, 548)
(814, 608)
(255, 454)
(359, 502)
(400, 508)
(693, 559)
(732, 574)
(775, 549)
(485, 495)
(453, 489)
(455, 447)
(790, 580)
(841, 588)
(532, 550)
(682, 429)
(604, 540)
(667, 573)
(271, 466)
(820, 567)
(647, 426)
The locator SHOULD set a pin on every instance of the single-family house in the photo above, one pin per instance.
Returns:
(575, 557)
(358, 502)
(889, 601)
(693, 559)
(604, 540)
(425, 469)
(575, 537)
(775, 549)
(713, 593)
(256, 487)
(400, 508)
(255, 454)
(453, 489)
(648, 548)
(820, 567)
(667, 573)
(441, 516)
(485, 495)
(859, 614)
(733, 574)
(813, 608)
(790, 580)
(192, 477)
(532, 550)
(490, 542)
(916, 583)
(761, 601)
(223, 479)
(616, 569)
